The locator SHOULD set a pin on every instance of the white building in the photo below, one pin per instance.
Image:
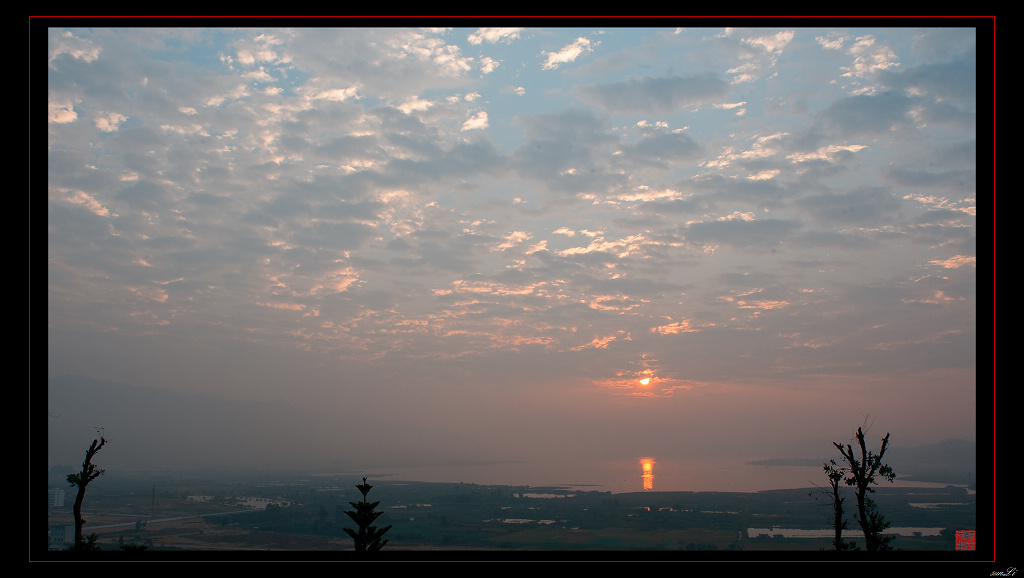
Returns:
(61, 537)
(55, 497)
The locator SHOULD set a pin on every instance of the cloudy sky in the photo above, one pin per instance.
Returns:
(524, 245)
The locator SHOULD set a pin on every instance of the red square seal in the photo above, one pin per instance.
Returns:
(965, 539)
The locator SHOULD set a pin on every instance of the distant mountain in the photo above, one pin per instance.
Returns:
(151, 427)
(788, 462)
(952, 461)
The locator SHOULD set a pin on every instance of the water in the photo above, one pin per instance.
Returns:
(704, 475)
(828, 533)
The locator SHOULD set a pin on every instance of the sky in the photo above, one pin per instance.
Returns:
(525, 246)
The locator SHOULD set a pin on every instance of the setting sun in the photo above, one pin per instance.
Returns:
(645, 381)
(648, 466)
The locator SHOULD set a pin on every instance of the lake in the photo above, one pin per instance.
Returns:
(703, 475)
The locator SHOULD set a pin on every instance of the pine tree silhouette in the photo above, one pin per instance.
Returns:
(368, 538)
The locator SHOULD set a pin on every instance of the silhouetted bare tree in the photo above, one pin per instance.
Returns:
(863, 469)
(81, 480)
(835, 475)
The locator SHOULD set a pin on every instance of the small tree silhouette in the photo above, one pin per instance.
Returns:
(368, 538)
(89, 473)
(835, 475)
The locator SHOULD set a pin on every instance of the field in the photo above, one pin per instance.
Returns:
(206, 515)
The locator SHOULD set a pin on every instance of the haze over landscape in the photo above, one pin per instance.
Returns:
(509, 255)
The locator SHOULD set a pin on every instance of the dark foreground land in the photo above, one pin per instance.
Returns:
(307, 514)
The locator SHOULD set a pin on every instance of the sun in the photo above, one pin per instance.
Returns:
(645, 381)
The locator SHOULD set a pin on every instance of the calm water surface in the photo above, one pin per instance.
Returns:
(706, 475)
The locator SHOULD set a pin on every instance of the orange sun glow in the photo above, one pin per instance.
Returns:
(648, 466)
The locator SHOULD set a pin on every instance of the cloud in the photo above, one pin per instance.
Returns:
(61, 112)
(568, 53)
(488, 64)
(866, 207)
(955, 261)
(832, 40)
(249, 210)
(494, 35)
(771, 43)
(570, 151)
(77, 48)
(337, 94)
(656, 94)
(110, 121)
(683, 326)
(447, 58)
(415, 104)
(869, 58)
(83, 198)
(393, 63)
(596, 343)
(748, 233)
(663, 149)
(477, 121)
(512, 239)
(955, 81)
(829, 153)
(869, 114)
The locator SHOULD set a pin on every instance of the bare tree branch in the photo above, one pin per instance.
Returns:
(89, 473)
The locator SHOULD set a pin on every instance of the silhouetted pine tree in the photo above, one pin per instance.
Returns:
(367, 538)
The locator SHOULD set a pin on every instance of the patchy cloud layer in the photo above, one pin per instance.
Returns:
(465, 233)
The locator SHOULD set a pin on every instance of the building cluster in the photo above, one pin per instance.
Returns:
(55, 497)
(58, 537)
